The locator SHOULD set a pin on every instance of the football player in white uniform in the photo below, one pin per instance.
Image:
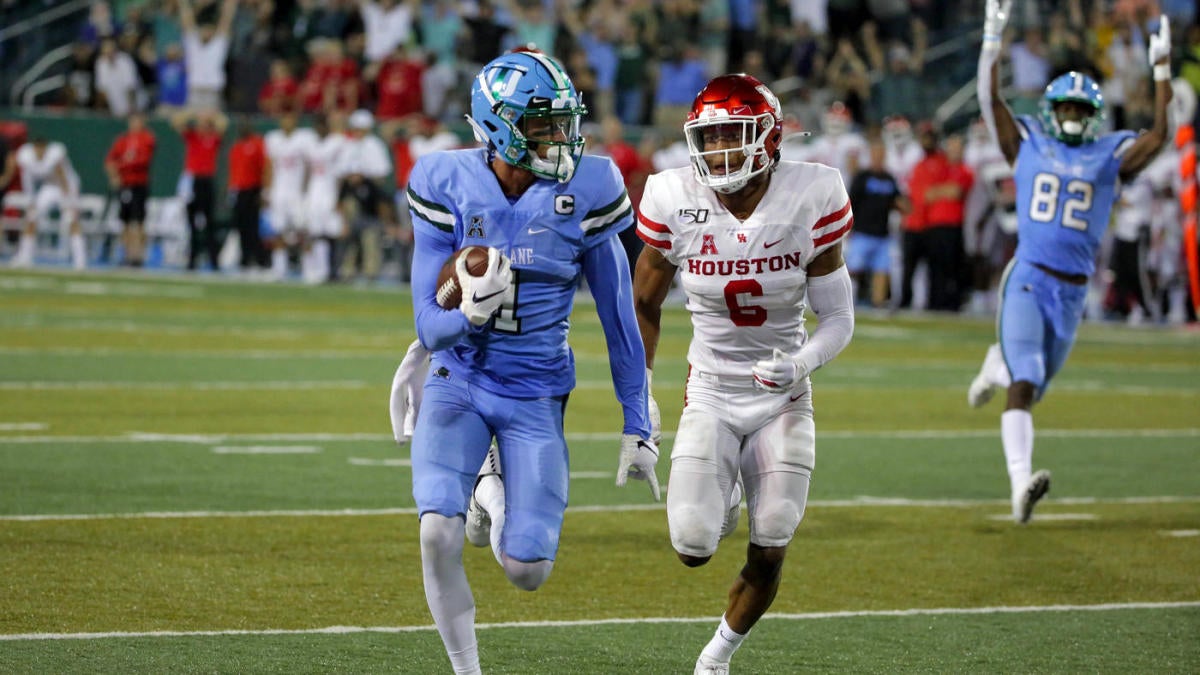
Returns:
(49, 181)
(288, 148)
(755, 240)
(324, 222)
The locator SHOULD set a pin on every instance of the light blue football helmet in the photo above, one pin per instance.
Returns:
(524, 106)
(1073, 86)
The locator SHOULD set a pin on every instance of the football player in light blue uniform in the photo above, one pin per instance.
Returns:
(1067, 177)
(501, 366)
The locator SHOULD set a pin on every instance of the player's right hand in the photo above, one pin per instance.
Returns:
(483, 295)
(638, 457)
(996, 13)
(1160, 44)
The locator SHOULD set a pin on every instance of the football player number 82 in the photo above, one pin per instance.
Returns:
(742, 314)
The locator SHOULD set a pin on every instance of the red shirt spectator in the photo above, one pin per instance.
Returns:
(130, 155)
(202, 134)
(247, 163)
(281, 93)
(939, 189)
(398, 86)
(332, 80)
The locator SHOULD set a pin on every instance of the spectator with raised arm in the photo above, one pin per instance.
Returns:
(205, 49)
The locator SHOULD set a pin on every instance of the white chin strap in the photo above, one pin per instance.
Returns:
(558, 162)
(1072, 127)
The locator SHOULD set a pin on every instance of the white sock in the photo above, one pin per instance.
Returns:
(723, 644)
(446, 589)
(320, 260)
(997, 369)
(26, 248)
(466, 662)
(78, 251)
(279, 262)
(1016, 433)
(490, 495)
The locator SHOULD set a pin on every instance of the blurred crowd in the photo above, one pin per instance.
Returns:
(856, 79)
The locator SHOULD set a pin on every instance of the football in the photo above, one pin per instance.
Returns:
(449, 293)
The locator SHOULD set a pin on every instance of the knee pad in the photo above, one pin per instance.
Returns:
(441, 536)
(694, 532)
(773, 524)
(527, 576)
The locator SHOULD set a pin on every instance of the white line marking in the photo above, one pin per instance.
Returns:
(859, 502)
(362, 461)
(934, 434)
(23, 426)
(591, 474)
(1182, 533)
(809, 616)
(266, 449)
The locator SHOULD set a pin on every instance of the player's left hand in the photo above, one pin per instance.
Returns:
(779, 374)
(638, 457)
(1160, 43)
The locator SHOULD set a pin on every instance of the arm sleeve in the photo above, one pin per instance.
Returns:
(832, 298)
(607, 272)
(433, 242)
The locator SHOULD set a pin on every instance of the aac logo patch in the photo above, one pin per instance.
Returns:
(475, 229)
(564, 204)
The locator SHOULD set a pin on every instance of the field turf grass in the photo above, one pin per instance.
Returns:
(197, 475)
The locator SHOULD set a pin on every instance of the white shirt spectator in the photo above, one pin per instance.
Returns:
(385, 27)
(117, 77)
(205, 61)
(364, 153)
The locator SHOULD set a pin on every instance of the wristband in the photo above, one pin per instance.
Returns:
(1162, 72)
(649, 378)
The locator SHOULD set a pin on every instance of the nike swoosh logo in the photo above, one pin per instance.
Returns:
(537, 231)
(475, 296)
(771, 243)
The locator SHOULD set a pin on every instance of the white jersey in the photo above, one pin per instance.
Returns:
(900, 159)
(39, 171)
(745, 281)
(847, 152)
(324, 158)
(288, 154)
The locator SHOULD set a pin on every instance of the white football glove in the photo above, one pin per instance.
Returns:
(779, 374)
(407, 386)
(482, 296)
(996, 13)
(638, 457)
(1159, 51)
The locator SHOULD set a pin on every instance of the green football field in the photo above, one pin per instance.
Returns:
(199, 476)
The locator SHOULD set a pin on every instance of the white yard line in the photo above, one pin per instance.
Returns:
(916, 434)
(810, 616)
(23, 426)
(858, 502)
(266, 449)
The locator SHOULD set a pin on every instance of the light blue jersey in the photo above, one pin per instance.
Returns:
(554, 234)
(1065, 195)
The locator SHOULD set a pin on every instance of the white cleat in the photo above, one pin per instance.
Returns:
(734, 513)
(1025, 500)
(984, 386)
(706, 666)
(479, 521)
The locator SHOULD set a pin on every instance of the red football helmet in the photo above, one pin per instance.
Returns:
(733, 132)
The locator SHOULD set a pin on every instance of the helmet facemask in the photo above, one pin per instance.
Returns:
(1073, 88)
(727, 151)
